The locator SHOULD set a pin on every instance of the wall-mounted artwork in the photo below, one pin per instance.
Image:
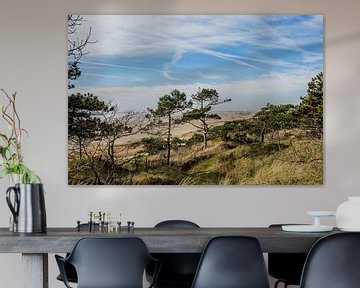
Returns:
(195, 99)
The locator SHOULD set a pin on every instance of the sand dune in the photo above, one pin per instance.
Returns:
(186, 130)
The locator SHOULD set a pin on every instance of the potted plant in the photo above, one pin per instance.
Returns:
(11, 159)
(26, 197)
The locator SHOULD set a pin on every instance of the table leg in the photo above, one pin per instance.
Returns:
(35, 270)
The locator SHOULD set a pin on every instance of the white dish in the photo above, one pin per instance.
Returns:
(306, 228)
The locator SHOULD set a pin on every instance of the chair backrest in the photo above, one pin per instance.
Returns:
(110, 262)
(178, 269)
(176, 224)
(286, 267)
(333, 262)
(232, 262)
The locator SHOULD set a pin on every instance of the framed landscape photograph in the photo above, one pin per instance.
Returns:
(195, 99)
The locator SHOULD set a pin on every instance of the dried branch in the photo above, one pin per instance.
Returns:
(14, 122)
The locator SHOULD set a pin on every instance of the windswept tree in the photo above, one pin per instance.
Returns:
(311, 106)
(200, 113)
(76, 47)
(84, 119)
(241, 131)
(272, 118)
(118, 125)
(166, 115)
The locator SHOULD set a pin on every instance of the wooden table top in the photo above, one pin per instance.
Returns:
(158, 240)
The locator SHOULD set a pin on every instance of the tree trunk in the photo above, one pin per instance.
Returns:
(205, 140)
(80, 148)
(168, 140)
(262, 135)
(111, 145)
(205, 133)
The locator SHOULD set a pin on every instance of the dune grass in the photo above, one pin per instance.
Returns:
(262, 164)
(290, 162)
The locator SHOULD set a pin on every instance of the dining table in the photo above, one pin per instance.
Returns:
(35, 247)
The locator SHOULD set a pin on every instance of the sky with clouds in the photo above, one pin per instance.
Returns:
(252, 59)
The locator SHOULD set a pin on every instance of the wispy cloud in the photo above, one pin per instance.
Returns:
(167, 66)
(312, 57)
(130, 35)
(153, 53)
(247, 94)
(228, 57)
(115, 76)
(107, 65)
(211, 76)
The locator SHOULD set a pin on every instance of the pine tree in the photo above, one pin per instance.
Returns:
(162, 119)
(83, 118)
(199, 116)
(311, 106)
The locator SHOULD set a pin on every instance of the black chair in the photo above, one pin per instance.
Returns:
(108, 263)
(232, 262)
(176, 224)
(333, 262)
(286, 267)
(69, 269)
(178, 269)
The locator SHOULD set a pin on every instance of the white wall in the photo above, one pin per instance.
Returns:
(33, 47)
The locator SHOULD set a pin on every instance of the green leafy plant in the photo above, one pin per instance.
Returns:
(11, 159)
